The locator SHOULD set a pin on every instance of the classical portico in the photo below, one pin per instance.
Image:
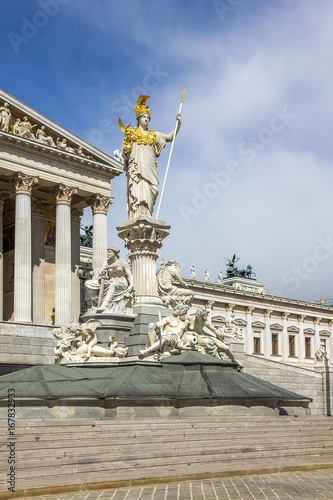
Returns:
(47, 177)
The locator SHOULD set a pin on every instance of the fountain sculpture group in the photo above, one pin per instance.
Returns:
(137, 311)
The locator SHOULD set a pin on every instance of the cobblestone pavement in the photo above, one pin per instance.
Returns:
(316, 485)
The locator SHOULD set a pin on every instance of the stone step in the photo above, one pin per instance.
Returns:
(224, 422)
(265, 440)
(76, 452)
(126, 426)
(169, 470)
(117, 458)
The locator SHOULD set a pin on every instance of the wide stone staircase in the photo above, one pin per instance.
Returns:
(79, 454)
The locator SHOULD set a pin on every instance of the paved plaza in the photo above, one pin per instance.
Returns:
(315, 485)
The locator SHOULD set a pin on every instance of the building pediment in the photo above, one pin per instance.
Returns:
(276, 326)
(219, 319)
(310, 331)
(23, 126)
(292, 329)
(258, 324)
(324, 333)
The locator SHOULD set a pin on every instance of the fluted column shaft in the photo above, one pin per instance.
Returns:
(249, 331)
(268, 337)
(75, 262)
(63, 289)
(99, 205)
(22, 261)
(301, 347)
(317, 336)
(144, 272)
(285, 338)
(38, 270)
(3, 196)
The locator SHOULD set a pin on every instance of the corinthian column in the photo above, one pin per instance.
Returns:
(63, 289)
(268, 338)
(143, 237)
(22, 261)
(99, 205)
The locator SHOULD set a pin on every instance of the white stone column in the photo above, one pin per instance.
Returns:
(38, 261)
(63, 288)
(268, 337)
(3, 196)
(330, 342)
(301, 346)
(99, 205)
(285, 338)
(75, 247)
(316, 322)
(249, 332)
(22, 260)
(143, 236)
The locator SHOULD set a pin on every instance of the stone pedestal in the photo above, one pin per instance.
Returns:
(245, 284)
(111, 324)
(143, 237)
(145, 314)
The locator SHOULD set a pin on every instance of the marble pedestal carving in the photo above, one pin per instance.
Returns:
(143, 236)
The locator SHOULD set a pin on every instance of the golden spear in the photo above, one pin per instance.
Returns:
(167, 168)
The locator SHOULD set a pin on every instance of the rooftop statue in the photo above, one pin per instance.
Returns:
(232, 270)
(141, 148)
(113, 290)
(170, 285)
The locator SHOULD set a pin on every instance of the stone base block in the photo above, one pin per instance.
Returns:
(145, 314)
(112, 324)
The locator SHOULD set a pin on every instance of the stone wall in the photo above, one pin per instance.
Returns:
(305, 381)
(25, 345)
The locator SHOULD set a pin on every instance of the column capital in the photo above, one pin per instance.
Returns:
(229, 307)
(209, 304)
(267, 313)
(317, 320)
(330, 323)
(100, 203)
(23, 183)
(63, 194)
(249, 310)
(285, 315)
(301, 318)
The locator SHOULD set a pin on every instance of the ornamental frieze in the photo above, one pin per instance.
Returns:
(22, 127)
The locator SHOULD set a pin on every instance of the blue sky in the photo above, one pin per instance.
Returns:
(251, 172)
